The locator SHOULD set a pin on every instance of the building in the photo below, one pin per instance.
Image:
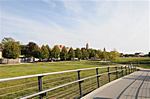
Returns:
(87, 46)
(140, 54)
(61, 46)
(0, 53)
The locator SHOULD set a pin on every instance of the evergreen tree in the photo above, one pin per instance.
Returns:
(63, 53)
(55, 52)
(78, 53)
(49, 51)
(44, 52)
(85, 54)
(71, 54)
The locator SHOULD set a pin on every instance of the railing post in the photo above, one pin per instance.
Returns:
(126, 70)
(116, 72)
(97, 76)
(135, 68)
(129, 69)
(40, 86)
(121, 71)
(80, 88)
(108, 69)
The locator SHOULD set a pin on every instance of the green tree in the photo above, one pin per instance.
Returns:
(11, 50)
(32, 50)
(92, 53)
(1, 46)
(50, 52)
(23, 49)
(63, 53)
(149, 54)
(71, 54)
(85, 54)
(99, 54)
(44, 52)
(55, 52)
(6, 40)
(78, 53)
(113, 55)
(105, 55)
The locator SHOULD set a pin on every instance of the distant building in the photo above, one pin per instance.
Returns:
(87, 46)
(104, 49)
(61, 46)
(140, 54)
(0, 53)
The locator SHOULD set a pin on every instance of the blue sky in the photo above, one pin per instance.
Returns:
(120, 24)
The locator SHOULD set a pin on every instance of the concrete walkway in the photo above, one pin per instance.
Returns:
(133, 86)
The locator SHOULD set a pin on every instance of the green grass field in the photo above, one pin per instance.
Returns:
(133, 60)
(36, 68)
(17, 88)
(143, 62)
(13, 89)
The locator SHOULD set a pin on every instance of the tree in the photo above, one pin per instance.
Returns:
(23, 49)
(149, 54)
(55, 52)
(78, 53)
(50, 52)
(99, 53)
(32, 50)
(63, 53)
(71, 54)
(44, 52)
(113, 55)
(1, 46)
(11, 50)
(7, 39)
(92, 53)
(85, 53)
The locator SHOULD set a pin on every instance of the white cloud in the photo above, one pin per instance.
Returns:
(123, 26)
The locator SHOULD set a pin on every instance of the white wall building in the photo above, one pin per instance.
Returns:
(0, 53)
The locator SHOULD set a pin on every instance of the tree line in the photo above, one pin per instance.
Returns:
(12, 49)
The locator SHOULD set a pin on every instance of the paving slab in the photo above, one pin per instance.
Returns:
(133, 86)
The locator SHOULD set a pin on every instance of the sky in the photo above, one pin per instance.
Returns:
(114, 24)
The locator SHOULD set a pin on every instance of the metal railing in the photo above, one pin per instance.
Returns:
(117, 71)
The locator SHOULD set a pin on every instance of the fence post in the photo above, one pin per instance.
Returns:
(80, 88)
(121, 71)
(97, 76)
(108, 69)
(126, 70)
(129, 69)
(135, 68)
(40, 86)
(116, 73)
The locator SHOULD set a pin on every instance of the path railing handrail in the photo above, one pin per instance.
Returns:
(79, 79)
(51, 73)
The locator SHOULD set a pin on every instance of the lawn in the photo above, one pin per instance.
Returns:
(133, 60)
(17, 88)
(36, 68)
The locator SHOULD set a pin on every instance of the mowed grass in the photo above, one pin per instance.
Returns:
(37, 68)
(133, 60)
(143, 62)
(23, 87)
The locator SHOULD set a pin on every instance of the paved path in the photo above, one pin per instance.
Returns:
(133, 86)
